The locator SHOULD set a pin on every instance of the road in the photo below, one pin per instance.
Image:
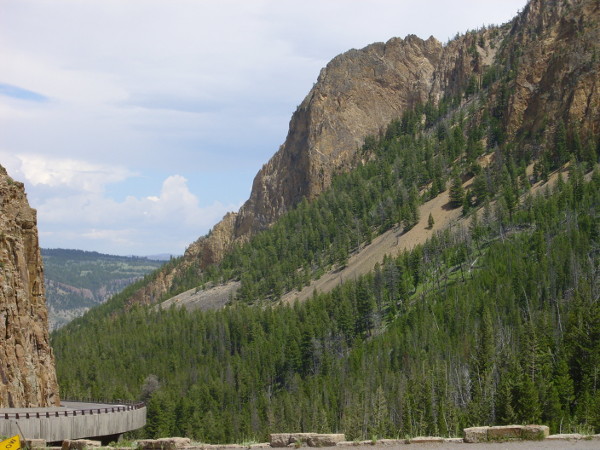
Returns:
(515, 445)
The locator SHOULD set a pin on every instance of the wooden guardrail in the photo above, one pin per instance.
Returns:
(72, 412)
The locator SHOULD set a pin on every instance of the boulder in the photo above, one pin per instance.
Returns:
(280, 439)
(301, 438)
(35, 443)
(504, 432)
(535, 432)
(164, 443)
(325, 440)
(474, 435)
(79, 444)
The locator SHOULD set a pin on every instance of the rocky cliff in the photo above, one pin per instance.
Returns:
(553, 50)
(548, 57)
(27, 375)
(357, 94)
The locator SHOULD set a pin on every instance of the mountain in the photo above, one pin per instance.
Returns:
(27, 373)
(548, 55)
(491, 316)
(77, 280)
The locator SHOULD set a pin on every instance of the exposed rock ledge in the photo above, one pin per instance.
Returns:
(27, 374)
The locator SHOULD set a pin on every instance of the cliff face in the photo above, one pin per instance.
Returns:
(27, 375)
(357, 94)
(554, 49)
(550, 52)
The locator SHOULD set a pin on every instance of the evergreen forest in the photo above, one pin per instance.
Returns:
(493, 322)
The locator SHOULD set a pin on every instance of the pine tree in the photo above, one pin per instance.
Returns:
(560, 155)
(457, 192)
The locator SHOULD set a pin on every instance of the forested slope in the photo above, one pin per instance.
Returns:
(495, 322)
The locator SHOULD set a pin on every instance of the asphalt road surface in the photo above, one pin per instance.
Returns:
(515, 445)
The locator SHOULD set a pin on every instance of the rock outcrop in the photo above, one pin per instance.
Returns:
(356, 95)
(556, 74)
(548, 58)
(27, 374)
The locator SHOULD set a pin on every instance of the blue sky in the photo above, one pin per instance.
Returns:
(136, 125)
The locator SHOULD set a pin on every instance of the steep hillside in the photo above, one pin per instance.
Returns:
(76, 280)
(496, 323)
(538, 72)
(493, 321)
(27, 374)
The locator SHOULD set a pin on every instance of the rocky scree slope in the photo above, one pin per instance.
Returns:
(27, 373)
(549, 51)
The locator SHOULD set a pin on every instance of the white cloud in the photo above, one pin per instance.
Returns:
(40, 170)
(143, 89)
(162, 223)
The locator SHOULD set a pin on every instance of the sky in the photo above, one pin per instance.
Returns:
(137, 124)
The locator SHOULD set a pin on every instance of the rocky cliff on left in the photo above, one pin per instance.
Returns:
(27, 373)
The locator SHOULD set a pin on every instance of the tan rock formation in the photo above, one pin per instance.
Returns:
(549, 57)
(27, 374)
(357, 94)
(556, 78)
(361, 91)
(213, 247)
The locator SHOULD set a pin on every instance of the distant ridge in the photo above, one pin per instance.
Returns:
(77, 280)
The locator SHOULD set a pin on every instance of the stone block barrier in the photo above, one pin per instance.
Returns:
(33, 444)
(79, 444)
(310, 439)
(506, 433)
(164, 443)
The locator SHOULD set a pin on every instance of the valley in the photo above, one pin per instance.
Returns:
(76, 280)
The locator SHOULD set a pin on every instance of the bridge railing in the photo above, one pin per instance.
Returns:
(107, 407)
